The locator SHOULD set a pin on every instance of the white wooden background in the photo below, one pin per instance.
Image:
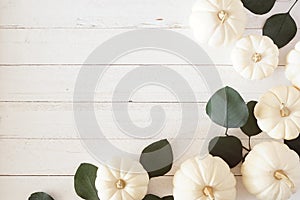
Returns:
(42, 46)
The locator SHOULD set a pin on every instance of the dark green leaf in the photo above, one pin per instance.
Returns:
(84, 181)
(294, 144)
(281, 28)
(153, 197)
(259, 7)
(251, 128)
(157, 158)
(40, 196)
(245, 156)
(229, 148)
(168, 198)
(227, 108)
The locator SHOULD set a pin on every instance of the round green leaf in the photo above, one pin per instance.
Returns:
(40, 196)
(294, 144)
(157, 158)
(227, 108)
(153, 197)
(251, 127)
(281, 28)
(259, 7)
(84, 181)
(229, 148)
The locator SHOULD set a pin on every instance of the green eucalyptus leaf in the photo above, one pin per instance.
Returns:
(229, 148)
(168, 198)
(251, 128)
(227, 108)
(40, 196)
(153, 197)
(294, 144)
(259, 7)
(281, 28)
(157, 158)
(84, 181)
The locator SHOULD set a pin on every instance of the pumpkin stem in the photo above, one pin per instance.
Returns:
(280, 175)
(257, 57)
(209, 192)
(284, 111)
(120, 184)
(222, 15)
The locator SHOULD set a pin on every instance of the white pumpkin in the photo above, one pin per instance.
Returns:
(278, 112)
(255, 57)
(293, 66)
(122, 179)
(208, 179)
(271, 171)
(218, 22)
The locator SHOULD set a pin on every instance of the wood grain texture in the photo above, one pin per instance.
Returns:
(33, 120)
(62, 157)
(37, 83)
(69, 46)
(110, 13)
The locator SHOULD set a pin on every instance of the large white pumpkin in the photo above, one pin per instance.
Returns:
(122, 179)
(208, 179)
(271, 171)
(293, 66)
(255, 57)
(278, 112)
(218, 22)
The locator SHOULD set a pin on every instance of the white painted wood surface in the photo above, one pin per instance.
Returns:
(73, 46)
(109, 14)
(43, 44)
(36, 83)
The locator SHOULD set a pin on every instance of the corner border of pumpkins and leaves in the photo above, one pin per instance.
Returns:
(281, 28)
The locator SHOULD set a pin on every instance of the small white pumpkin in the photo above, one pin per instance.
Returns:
(271, 171)
(209, 178)
(122, 179)
(255, 57)
(218, 22)
(278, 112)
(293, 66)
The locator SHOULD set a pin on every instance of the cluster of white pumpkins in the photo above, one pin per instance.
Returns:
(271, 171)
(222, 23)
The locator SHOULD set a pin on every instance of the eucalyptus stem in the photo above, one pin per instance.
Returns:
(249, 143)
(226, 132)
(246, 149)
(292, 6)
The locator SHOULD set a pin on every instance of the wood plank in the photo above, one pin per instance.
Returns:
(111, 13)
(44, 120)
(57, 83)
(62, 187)
(62, 157)
(20, 187)
(65, 46)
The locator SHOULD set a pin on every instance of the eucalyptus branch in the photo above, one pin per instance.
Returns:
(249, 143)
(226, 132)
(292, 6)
(245, 148)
